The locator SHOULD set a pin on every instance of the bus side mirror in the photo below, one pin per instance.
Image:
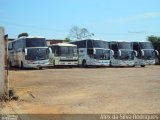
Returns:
(120, 53)
(136, 53)
(157, 53)
(112, 52)
(94, 51)
(25, 51)
(142, 52)
(50, 51)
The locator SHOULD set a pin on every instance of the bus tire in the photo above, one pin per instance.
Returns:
(142, 65)
(10, 64)
(40, 68)
(22, 65)
(110, 64)
(84, 63)
(53, 62)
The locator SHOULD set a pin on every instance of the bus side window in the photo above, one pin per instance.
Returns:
(80, 44)
(10, 46)
(137, 48)
(56, 50)
(89, 44)
(114, 47)
(90, 47)
(14, 45)
(90, 51)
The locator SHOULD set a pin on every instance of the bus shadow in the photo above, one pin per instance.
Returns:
(91, 67)
(129, 67)
(21, 69)
(61, 67)
(75, 67)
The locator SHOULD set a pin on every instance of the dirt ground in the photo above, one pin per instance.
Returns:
(89, 91)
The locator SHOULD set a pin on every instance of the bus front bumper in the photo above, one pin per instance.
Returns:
(148, 62)
(101, 63)
(126, 63)
(68, 63)
(36, 64)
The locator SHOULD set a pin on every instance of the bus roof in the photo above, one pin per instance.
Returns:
(63, 44)
(27, 37)
(32, 37)
(140, 41)
(120, 41)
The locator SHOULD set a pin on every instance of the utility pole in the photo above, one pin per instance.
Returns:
(2, 63)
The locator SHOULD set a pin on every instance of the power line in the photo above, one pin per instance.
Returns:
(67, 31)
(33, 27)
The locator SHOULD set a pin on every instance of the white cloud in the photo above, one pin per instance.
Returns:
(138, 17)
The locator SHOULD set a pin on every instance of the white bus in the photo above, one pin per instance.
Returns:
(63, 54)
(123, 53)
(93, 52)
(146, 53)
(28, 52)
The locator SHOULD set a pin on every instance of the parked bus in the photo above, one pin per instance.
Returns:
(93, 52)
(63, 54)
(123, 53)
(28, 52)
(146, 53)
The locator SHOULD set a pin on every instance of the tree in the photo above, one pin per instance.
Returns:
(23, 34)
(79, 33)
(154, 39)
(66, 40)
(156, 43)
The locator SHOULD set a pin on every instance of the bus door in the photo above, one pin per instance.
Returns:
(90, 52)
(115, 56)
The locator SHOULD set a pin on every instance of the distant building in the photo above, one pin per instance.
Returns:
(10, 39)
(53, 41)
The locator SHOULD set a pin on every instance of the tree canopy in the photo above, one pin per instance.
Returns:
(23, 34)
(156, 43)
(79, 33)
(154, 39)
(66, 40)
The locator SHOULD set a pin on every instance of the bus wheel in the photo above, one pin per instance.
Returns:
(54, 63)
(10, 64)
(110, 64)
(40, 68)
(84, 63)
(22, 65)
(142, 65)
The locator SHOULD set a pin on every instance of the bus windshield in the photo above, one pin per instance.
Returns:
(102, 54)
(100, 44)
(68, 51)
(146, 45)
(127, 55)
(36, 42)
(124, 45)
(37, 54)
(149, 54)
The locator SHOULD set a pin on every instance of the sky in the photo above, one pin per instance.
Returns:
(107, 19)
